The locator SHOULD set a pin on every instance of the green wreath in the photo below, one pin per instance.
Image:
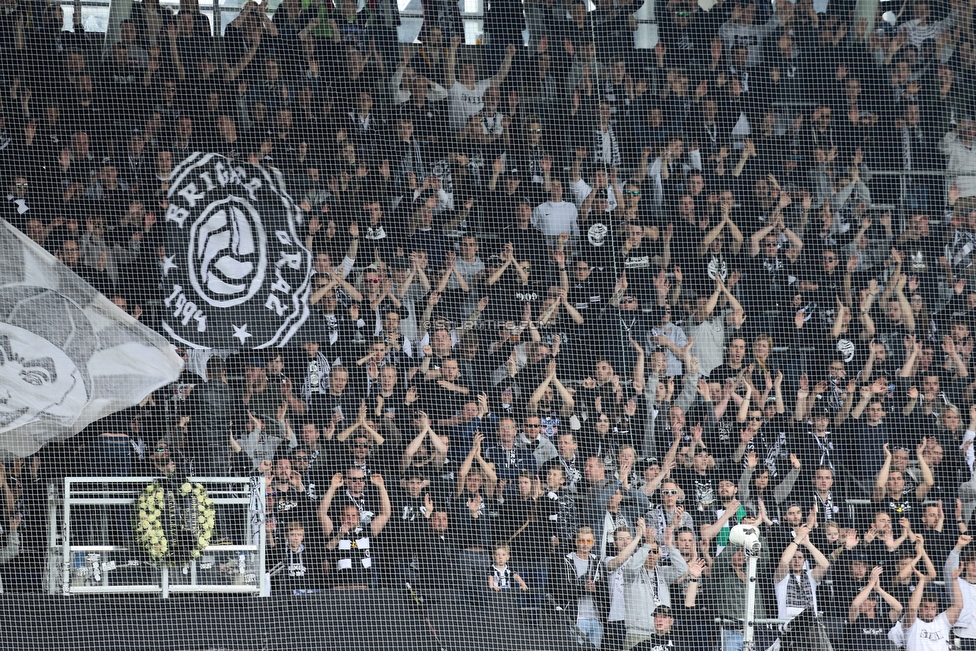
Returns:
(174, 521)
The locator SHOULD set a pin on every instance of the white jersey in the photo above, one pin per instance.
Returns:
(464, 102)
(929, 636)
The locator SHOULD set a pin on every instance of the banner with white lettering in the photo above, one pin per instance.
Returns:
(235, 273)
(68, 355)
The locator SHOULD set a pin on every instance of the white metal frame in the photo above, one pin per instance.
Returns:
(90, 491)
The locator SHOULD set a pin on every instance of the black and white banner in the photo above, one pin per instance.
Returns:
(68, 355)
(235, 272)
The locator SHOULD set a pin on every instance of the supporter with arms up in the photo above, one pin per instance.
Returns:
(466, 94)
(625, 544)
(796, 583)
(926, 629)
(351, 554)
(647, 582)
(889, 488)
(864, 628)
(960, 567)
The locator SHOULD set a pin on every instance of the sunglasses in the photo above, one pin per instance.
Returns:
(636, 193)
(535, 130)
(20, 185)
(628, 299)
(682, 14)
(671, 492)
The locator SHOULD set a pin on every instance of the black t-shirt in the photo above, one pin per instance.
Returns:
(685, 246)
(712, 265)
(529, 244)
(904, 506)
(640, 268)
(294, 505)
(352, 559)
(701, 492)
(591, 295)
(598, 239)
(868, 634)
(813, 451)
(832, 508)
(408, 522)
(442, 403)
(771, 445)
(509, 295)
(301, 569)
(770, 281)
(725, 435)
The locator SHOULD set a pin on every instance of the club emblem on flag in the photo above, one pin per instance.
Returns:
(235, 273)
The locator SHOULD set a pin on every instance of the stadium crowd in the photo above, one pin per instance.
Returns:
(578, 309)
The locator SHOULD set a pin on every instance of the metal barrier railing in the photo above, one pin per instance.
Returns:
(88, 519)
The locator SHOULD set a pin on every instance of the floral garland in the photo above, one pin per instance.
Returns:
(174, 522)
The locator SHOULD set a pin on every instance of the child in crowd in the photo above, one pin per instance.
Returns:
(502, 577)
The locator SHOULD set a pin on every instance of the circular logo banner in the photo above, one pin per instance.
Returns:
(235, 273)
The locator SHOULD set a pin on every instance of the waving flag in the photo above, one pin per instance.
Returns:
(68, 355)
(235, 272)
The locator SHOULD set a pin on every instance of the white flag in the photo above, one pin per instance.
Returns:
(68, 355)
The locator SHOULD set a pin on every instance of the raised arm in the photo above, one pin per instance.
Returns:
(912, 612)
(953, 612)
(629, 550)
(324, 519)
(903, 302)
(820, 571)
(709, 531)
(710, 237)
(862, 596)
(757, 238)
(414, 446)
(506, 65)
(928, 480)
(386, 509)
(451, 62)
(881, 480)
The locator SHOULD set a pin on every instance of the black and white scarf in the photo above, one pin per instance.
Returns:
(607, 147)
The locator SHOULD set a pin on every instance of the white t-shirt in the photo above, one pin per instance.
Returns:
(929, 636)
(587, 607)
(554, 219)
(464, 103)
(615, 584)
